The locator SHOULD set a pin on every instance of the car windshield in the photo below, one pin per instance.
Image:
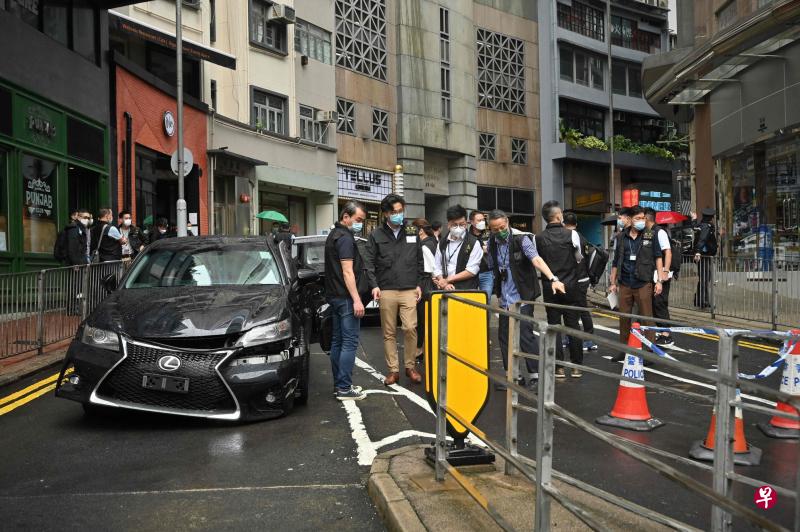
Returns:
(314, 255)
(205, 267)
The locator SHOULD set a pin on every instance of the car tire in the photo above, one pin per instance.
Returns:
(301, 397)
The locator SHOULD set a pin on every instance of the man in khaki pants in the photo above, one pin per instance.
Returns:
(394, 255)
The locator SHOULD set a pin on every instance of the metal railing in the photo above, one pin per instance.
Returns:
(43, 307)
(540, 471)
(763, 290)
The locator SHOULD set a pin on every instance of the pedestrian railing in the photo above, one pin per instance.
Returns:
(43, 307)
(726, 400)
(763, 290)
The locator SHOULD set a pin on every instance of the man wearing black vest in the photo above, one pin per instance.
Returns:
(106, 240)
(346, 283)
(458, 257)
(561, 250)
(705, 248)
(636, 258)
(514, 259)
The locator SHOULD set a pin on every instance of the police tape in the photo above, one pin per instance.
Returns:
(653, 347)
(785, 351)
(715, 332)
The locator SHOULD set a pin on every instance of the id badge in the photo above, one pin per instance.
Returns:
(411, 239)
(632, 257)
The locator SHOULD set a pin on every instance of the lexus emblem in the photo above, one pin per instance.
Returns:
(169, 363)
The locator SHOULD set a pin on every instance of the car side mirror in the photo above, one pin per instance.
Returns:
(110, 282)
(307, 275)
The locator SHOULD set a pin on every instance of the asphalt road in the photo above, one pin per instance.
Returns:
(307, 471)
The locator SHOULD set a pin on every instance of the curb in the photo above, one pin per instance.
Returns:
(397, 513)
(30, 366)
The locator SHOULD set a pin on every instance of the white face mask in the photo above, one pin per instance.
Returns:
(162, 231)
(457, 233)
(127, 222)
(84, 222)
(481, 226)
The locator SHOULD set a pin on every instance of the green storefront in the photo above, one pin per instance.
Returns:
(51, 161)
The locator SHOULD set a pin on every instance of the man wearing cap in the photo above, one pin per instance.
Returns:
(661, 301)
(705, 248)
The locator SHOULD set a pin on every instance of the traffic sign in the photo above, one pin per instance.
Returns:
(188, 161)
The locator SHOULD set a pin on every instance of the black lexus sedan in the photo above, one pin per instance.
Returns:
(213, 327)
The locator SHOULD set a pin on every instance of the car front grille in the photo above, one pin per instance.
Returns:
(207, 392)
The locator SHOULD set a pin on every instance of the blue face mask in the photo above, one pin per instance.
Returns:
(397, 219)
(620, 224)
(357, 227)
(639, 225)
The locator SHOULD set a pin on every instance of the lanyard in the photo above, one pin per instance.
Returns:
(503, 256)
(635, 251)
(456, 250)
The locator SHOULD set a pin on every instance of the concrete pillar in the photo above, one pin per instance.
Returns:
(413, 160)
(463, 185)
(703, 159)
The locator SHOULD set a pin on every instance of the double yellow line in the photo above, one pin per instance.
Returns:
(15, 400)
(704, 336)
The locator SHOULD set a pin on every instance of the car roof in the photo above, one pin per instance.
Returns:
(198, 242)
(314, 239)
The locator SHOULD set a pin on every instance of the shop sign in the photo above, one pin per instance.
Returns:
(39, 124)
(660, 201)
(586, 200)
(169, 123)
(358, 183)
(437, 176)
(39, 177)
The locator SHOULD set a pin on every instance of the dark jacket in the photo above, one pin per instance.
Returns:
(554, 245)
(107, 248)
(522, 270)
(705, 242)
(76, 244)
(283, 236)
(468, 244)
(647, 250)
(335, 287)
(483, 237)
(397, 263)
(135, 238)
(155, 235)
(583, 265)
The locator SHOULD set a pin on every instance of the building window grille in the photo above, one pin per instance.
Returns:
(583, 19)
(346, 121)
(519, 151)
(380, 125)
(444, 58)
(486, 147)
(501, 72)
(361, 36)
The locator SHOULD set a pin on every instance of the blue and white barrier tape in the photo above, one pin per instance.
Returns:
(787, 348)
(647, 343)
(714, 332)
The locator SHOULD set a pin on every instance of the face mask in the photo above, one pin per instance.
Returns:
(357, 227)
(91, 221)
(503, 234)
(457, 233)
(397, 219)
(162, 231)
(620, 224)
(85, 222)
(126, 223)
(639, 225)
(481, 226)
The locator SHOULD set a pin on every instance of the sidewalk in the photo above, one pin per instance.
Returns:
(20, 366)
(403, 488)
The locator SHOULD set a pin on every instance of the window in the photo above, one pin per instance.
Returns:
(581, 67)
(74, 26)
(312, 41)
(444, 58)
(634, 81)
(501, 72)
(519, 151)
(727, 15)
(56, 22)
(626, 33)
(264, 33)
(346, 111)
(214, 94)
(84, 32)
(619, 83)
(212, 25)
(39, 229)
(269, 112)
(639, 128)
(486, 147)
(310, 129)
(361, 36)
(582, 19)
(380, 125)
(626, 79)
(585, 118)
(511, 200)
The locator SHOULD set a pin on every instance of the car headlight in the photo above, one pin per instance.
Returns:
(100, 338)
(266, 333)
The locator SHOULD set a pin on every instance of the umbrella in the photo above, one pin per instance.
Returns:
(148, 221)
(274, 216)
(609, 220)
(669, 217)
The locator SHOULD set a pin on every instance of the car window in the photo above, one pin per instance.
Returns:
(315, 254)
(208, 267)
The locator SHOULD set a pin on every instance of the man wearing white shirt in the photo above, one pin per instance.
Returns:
(661, 301)
(458, 257)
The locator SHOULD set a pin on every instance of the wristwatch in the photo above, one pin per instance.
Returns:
(554, 279)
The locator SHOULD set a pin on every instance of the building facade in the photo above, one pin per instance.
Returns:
(733, 78)
(578, 117)
(54, 124)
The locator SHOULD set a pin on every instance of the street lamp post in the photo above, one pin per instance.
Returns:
(611, 179)
(181, 206)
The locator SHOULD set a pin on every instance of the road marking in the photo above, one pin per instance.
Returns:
(27, 399)
(32, 387)
(364, 446)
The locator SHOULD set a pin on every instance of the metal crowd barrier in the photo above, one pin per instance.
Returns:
(541, 472)
(763, 290)
(43, 307)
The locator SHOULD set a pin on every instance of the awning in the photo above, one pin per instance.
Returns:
(243, 158)
(119, 22)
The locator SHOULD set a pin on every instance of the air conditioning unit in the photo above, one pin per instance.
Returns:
(619, 116)
(282, 13)
(327, 116)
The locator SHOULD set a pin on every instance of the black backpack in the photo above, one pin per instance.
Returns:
(597, 258)
(60, 252)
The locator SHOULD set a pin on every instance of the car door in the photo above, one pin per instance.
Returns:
(307, 294)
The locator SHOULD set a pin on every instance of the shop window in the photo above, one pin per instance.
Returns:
(312, 41)
(380, 125)
(3, 201)
(486, 147)
(519, 151)
(5, 111)
(346, 111)
(523, 201)
(82, 189)
(511, 200)
(264, 33)
(39, 219)
(269, 112)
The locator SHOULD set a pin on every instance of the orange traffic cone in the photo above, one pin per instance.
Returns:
(630, 410)
(744, 454)
(781, 427)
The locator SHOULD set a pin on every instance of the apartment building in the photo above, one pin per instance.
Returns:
(733, 78)
(577, 115)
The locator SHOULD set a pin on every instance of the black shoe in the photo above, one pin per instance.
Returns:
(501, 386)
(619, 358)
(665, 341)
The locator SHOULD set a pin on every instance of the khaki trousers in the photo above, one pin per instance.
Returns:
(643, 297)
(403, 302)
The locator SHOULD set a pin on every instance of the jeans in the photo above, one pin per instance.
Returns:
(346, 328)
(570, 317)
(486, 284)
(528, 342)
